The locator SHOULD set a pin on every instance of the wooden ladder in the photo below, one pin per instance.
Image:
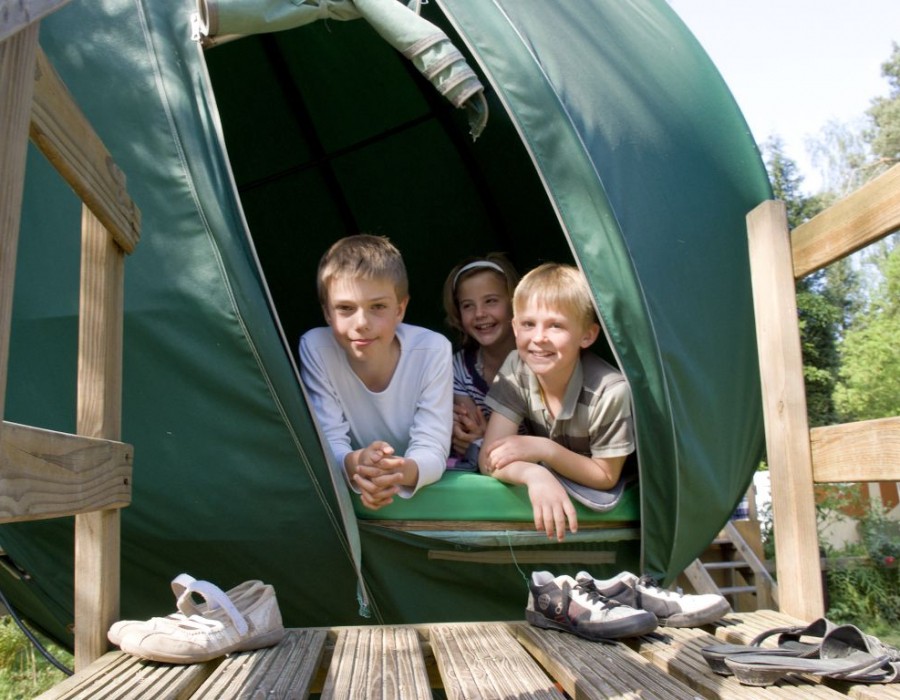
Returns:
(43, 473)
(740, 570)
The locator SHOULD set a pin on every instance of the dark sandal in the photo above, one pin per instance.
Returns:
(846, 654)
(789, 645)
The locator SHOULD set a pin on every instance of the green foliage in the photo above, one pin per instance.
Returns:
(820, 305)
(866, 594)
(24, 673)
(885, 114)
(869, 377)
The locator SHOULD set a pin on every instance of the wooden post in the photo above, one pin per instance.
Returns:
(97, 534)
(17, 57)
(784, 408)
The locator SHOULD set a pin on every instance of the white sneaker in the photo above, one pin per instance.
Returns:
(562, 603)
(184, 586)
(672, 608)
(221, 629)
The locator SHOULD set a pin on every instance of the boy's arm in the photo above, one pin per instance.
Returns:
(325, 404)
(432, 428)
(594, 472)
(551, 505)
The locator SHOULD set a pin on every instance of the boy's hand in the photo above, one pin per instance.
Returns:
(551, 504)
(517, 448)
(378, 475)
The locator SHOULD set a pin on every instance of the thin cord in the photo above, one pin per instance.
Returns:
(34, 640)
(515, 561)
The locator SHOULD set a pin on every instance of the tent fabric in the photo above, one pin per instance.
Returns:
(618, 149)
(416, 38)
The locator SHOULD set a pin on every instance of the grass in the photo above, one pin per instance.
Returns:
(24, 672)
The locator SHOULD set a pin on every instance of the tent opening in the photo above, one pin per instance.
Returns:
(339, 134)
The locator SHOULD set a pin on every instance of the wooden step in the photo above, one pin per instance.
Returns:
(719, 565)
(735, 590)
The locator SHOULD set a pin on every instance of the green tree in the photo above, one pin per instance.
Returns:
(884, 136)
(820, 311)
(869, 379)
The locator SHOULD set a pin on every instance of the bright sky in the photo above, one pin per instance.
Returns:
(795, 65)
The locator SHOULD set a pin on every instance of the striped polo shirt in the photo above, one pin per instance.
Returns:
(595, 419)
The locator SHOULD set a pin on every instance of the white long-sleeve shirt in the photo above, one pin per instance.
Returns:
(414, 414)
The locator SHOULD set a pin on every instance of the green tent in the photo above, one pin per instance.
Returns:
(611, 142)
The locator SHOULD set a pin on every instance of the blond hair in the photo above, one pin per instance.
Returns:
(362, 256)
(560, 287)
(469, 268)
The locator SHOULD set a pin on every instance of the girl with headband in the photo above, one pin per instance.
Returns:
(478, 303)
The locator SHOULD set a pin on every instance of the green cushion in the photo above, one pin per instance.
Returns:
(468, 496)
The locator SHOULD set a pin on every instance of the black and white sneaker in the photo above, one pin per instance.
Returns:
(562, 603)
(672, 608)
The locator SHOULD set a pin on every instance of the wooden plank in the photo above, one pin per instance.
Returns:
(119, 676)
(17, 57)
(283, 671)
(46, 474)
(592, 670)
(862, 451)
(861, 218)
(486, 525)
(525, 556)
(740, 628)
(484, 661)
(68, 141)
(16, 15)
(98, 414)
(377, 662)
(784, 409)
(700, 579)
(101, 315)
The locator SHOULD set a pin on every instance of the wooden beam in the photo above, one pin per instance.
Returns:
(487, 525)
(865, 216)
(47, 474)
(68, 141)
(861, 451)
(98, 414)
(16, 15)
(784, 410)
(17, 57)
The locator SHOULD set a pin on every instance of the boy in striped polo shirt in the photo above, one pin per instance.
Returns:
(576, 407)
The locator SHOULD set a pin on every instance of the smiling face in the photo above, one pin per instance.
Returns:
(364, 315)
(550, 341)
(485, 309)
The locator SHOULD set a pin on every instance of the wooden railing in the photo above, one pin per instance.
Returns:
(797, 456)
(43, 473)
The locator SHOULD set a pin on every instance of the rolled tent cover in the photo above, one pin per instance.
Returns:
(416, 38)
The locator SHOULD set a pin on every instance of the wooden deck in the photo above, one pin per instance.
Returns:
(458, 660)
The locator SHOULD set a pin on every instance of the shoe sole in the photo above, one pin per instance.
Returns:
(266, 640)
(611, 630)
(697, 619)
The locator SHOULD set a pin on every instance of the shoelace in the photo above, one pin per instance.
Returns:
(594, 596)
(646, 581)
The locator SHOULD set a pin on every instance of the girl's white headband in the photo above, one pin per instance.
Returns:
(478, 264)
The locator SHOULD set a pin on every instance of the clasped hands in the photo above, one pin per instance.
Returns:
(379, 474)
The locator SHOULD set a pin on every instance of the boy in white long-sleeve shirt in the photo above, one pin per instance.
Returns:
(382, 390)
